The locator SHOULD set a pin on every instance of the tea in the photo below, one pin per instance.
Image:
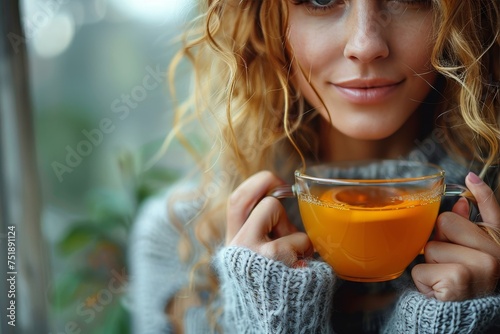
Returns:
(370, 232)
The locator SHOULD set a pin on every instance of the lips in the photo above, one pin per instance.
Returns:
(368, 91)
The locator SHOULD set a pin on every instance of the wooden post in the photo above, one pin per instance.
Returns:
(20, 201)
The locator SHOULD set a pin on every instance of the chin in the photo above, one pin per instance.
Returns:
(368, 133)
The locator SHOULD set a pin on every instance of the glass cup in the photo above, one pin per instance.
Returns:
(370, 219)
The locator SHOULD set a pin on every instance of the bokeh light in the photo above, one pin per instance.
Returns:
(155, 11)
(55, 36)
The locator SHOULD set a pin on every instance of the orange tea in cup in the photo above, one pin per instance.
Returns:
(369, 233)
(369, 219)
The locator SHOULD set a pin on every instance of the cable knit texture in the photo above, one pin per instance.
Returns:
(265, 296)
(260, 295)
(416, 313)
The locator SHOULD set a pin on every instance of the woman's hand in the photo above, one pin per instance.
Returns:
(462, 261)
(259, 222)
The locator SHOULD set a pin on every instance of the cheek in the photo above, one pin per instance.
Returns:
(312, 59)
(415, 48)
(303, 50)
(419, 70)
(314, 46)
(418, 61)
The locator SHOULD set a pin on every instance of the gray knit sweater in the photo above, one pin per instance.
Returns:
(259, 295)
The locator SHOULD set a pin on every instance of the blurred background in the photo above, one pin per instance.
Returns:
(99, 103)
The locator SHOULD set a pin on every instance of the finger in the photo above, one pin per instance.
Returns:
(451, 227)
(486, 201)
(245, 197)
(289, 249)
(445, 282)
(461, 207)
(483, 267)
(268, 215)
(445, 252)
(420, 276)
(284, 228)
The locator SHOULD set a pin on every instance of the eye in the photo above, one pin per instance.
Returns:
(317, 5)
(322, 2)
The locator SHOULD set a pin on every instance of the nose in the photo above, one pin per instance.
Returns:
(366, 35)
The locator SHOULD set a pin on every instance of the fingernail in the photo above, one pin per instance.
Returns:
(474, 178)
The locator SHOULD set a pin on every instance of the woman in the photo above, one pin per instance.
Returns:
(284, 83)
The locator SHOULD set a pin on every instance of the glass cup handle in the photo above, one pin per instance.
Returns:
(459, 190)
(284, 191)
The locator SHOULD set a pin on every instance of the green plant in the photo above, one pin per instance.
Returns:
(90, 292)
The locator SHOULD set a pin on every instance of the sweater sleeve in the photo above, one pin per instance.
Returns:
(261, 295)
(154, 274)
(156, 271)
(416, 313)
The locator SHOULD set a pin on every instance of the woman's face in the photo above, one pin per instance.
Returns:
(368, 60)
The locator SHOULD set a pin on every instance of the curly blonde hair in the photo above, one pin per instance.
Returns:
(256, 118)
